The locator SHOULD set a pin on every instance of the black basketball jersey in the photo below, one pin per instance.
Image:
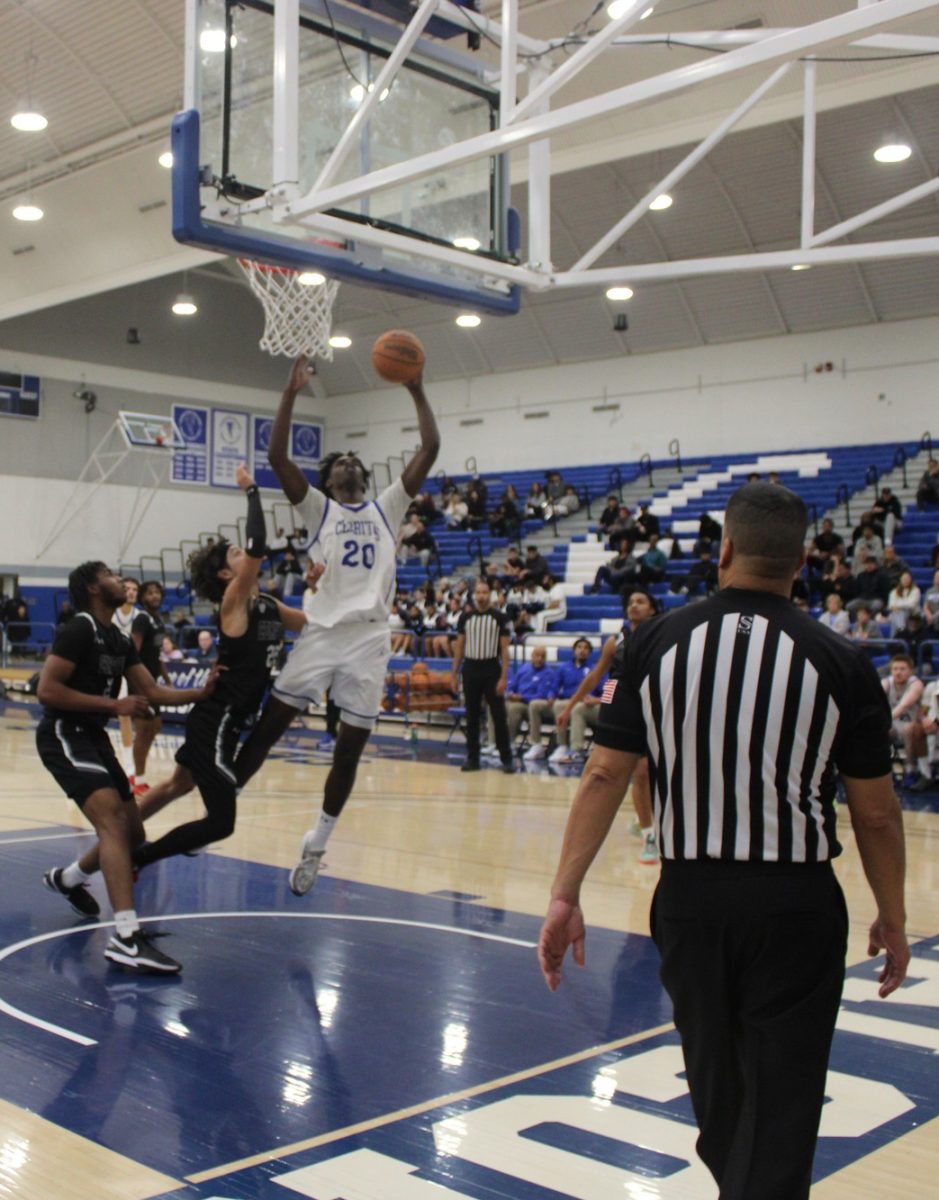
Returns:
(101, 654)
(152, 630)
(250, 659)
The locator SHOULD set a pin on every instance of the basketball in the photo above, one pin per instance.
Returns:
(398, 356)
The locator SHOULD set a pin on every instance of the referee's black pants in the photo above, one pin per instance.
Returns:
(480, 677)
(753, 958)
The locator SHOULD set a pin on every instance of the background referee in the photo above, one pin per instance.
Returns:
(482, 645)
(748, 708)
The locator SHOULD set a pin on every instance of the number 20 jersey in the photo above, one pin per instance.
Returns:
(357, 543)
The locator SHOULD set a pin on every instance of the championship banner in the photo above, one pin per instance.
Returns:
(192, 464)
(229, 445)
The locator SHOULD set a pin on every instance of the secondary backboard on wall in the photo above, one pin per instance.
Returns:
(260, 132)
(372, 149)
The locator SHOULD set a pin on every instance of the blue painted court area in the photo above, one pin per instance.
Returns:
(292, 1018)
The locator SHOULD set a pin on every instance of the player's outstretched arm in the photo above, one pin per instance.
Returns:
(146, 691)
(233, 612)
(291, 478)
(418, 468)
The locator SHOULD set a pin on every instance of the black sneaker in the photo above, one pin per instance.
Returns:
(471, 764)
(135, 953)
(79, 897)
(508, 768)
(922, 784)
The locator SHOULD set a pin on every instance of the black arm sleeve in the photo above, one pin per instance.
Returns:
(255, 529)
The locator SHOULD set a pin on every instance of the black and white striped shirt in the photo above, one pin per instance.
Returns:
(747, 708)
(483, 631)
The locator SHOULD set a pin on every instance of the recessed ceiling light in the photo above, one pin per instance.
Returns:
(28, 212)
(801, 267)
(357, 93)
(660, 203)
(619, 293)
(893, 152)
(466, 243)
(311, 278)
(339, 341)
(166, 159)
(212, 41)
(468, 320)
(28, 121)
(184, 305)
(648, 13)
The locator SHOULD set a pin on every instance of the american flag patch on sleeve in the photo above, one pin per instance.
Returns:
(609, 689)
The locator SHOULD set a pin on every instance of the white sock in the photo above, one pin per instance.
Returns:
(73, 875)
(126, 923)
(317, 838)
(925, 767)
(650, 832)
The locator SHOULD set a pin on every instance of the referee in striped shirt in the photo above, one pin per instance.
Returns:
(748, 710)
(482, 646)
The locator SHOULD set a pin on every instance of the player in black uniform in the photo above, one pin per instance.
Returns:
(78, 689)
(147, 633)
(251, 627)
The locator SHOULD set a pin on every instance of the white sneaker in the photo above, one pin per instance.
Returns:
(490, 751)
(304, 874)
(534, 752)
(650, 852)
(561, 755)
(634, 829)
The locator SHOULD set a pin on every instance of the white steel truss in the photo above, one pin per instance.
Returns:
(530, 122)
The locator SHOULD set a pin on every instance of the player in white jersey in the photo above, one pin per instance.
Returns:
(346, 644)
(124, 619)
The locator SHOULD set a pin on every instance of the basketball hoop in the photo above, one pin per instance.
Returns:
(298, 308)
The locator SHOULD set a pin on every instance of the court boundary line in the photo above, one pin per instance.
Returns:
(415, 1110)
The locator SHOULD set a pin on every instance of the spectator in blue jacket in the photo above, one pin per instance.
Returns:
(530, 681)
(566, 681)
(652, 564)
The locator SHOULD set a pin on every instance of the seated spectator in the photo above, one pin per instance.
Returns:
(617, 571)
(205, 652)
(536, 501)
(918, 637)
(607, 518)
(531, 681)
(904, 599)
(19, 626)
(701, 577)
(535, 597)
(513, 567)
(871, 544)
(554, 490)
(623, 533)
(522, 626)
(893, 566)
(834, 617)
(647, 523)
(564, 684)
(288, 571)
(478, 484)
(872, 588)
(888, 512)
(425, 507)
(652, 564)
(511, 496)
(865, 628)
(709, 531)
(931, 606)
(502, 523)
(825, 543)
(773, 477)
(419, 544)
(754, 477)
(555, 605)
(928, 490)
(904, 691)
(925, 724)
(568, 503)
(66, 612)
(401, 637)
(436, 637)
(169, 651)
(535, 565)
(475, 508)
(455, 511)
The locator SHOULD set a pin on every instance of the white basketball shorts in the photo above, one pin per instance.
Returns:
(350, 661)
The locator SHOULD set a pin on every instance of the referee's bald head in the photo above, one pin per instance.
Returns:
(766, 524)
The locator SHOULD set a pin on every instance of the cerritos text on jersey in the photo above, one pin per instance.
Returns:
(359, 528)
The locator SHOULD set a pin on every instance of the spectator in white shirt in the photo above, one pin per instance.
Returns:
(835, 617)
(904, 599)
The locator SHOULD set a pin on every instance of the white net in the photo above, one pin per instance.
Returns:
(298, 308)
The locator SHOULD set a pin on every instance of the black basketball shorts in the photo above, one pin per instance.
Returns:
(80, 758)
(212, 735)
